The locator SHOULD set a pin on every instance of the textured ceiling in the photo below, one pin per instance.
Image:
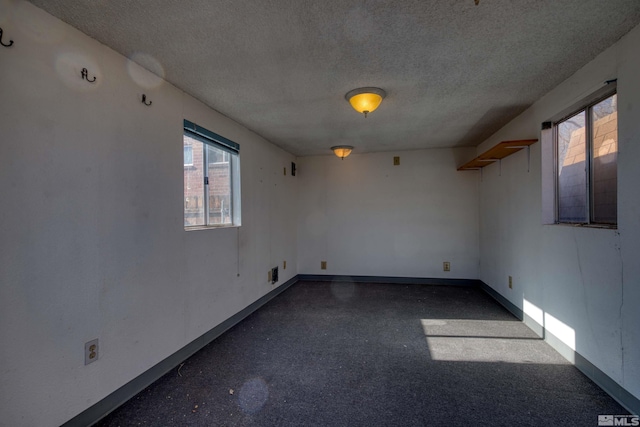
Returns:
(454, 72)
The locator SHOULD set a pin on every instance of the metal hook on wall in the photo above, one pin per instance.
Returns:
(5, 45)
(85, 75)
(144, 100)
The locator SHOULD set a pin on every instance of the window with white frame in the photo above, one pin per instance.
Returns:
(586, 153)
(211, 179)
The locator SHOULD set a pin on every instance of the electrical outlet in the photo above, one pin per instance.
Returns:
(323, 265)
(274, 275)
(91, 351)
(396, 161)
(510, 282)
(446, 266)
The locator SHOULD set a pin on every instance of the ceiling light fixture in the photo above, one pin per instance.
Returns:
(365, 99)
(342, 151)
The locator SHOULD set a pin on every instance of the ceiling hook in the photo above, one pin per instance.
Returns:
(144, 100)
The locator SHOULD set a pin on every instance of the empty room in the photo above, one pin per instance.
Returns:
(338, 213)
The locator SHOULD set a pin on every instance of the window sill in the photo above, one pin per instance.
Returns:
(210, 227)
(597, 226)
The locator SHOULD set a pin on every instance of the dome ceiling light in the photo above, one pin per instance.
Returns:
(342, 151)
(365, 99)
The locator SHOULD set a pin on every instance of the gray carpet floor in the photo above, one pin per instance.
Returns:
(365, 354)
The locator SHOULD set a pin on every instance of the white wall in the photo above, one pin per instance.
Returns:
(581, 283)
(92, 243)
(365, 216)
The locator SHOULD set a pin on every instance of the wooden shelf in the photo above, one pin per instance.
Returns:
(498, 152)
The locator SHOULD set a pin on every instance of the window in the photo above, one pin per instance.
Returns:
(586, 144)
(211, 179)
(219, 157)
(188, 154)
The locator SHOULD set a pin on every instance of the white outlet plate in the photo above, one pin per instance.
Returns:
(91, 351)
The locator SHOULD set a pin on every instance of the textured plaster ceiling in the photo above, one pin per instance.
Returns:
(454, 72)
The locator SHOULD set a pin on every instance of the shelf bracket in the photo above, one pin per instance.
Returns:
(528, 147)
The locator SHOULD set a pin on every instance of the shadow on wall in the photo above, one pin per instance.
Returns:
(491, 121)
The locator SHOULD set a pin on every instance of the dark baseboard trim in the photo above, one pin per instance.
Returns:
(605, 382)
(387, 279)
(512, 308)
(101, 409)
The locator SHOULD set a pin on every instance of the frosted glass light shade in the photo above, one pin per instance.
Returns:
(342, 151)
(365, 99)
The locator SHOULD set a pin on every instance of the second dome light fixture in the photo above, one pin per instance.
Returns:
(365, 99)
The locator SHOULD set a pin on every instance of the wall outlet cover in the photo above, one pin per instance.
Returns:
(91, 351)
